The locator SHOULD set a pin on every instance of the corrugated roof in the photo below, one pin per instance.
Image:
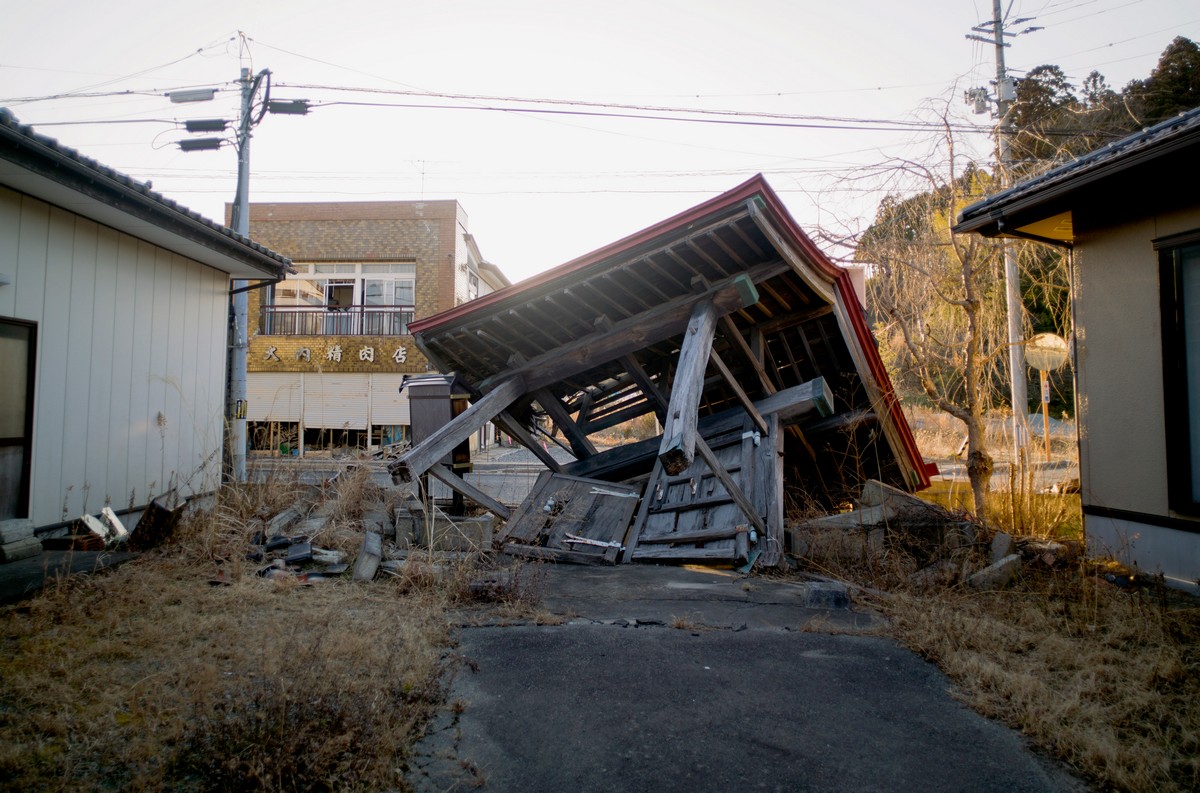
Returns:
(48, 161)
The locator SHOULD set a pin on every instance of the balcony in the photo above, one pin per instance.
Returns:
(334, 320)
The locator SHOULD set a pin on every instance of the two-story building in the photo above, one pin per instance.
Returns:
(330, 346)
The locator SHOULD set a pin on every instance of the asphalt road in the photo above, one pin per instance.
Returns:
(747, 695)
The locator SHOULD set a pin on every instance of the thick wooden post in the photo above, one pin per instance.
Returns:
(678, 447)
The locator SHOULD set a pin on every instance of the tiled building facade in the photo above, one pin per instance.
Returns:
(329, 347)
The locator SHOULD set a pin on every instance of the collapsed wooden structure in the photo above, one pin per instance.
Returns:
(747, 343)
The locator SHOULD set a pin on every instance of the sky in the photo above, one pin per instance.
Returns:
(432, 100)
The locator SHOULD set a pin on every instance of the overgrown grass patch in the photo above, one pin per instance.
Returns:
(153, 677)
(1104, 678)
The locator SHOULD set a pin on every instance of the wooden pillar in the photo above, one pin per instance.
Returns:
(678, 447)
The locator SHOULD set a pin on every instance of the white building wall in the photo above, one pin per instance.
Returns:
(130, 360)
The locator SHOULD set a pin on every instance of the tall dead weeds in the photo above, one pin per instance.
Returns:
(150, 677)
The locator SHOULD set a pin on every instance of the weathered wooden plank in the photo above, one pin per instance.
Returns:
(741, 544)
(739, 497)
(653, 393)
(680, 429)
(424, 455)
(702, 535)
(457, 483)
(644, 552)
(734, 336)
(520, 526)
(554, 554)
(713, 501)
(508, 423)
(769, 462)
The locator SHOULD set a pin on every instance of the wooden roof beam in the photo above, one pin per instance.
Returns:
(747, 403)
(789, 404)
(580, 445)
(630, 335)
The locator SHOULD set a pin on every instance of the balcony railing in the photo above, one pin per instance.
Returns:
(334, 320)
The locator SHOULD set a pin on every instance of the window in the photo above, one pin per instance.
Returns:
(17, 345)
(1179, 279)
(344, 299)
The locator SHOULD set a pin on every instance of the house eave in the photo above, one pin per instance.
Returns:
(36, 166)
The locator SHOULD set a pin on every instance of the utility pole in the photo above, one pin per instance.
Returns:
(240, 301)
(1005, 95)
(248, 118)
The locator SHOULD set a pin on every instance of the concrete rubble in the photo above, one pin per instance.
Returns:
(17, 540)
(943, 548)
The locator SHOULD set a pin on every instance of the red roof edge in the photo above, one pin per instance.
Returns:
(756, 185)
(858, 319)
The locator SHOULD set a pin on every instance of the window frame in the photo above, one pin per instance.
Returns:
(25, 478)
(1183, 496)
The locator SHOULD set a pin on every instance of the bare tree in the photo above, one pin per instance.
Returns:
(938, 298)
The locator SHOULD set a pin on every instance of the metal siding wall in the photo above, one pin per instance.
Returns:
(335, 401)
(100, 377)
(120, 393)
(388, 406)
(50, 399)
(125, 331)
(10, 240)
(137, 417)
(273, 396)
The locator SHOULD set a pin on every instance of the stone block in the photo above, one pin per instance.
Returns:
(1002, 546)
(15, 530)
(456, 534)
(21, 549)
(998, 575)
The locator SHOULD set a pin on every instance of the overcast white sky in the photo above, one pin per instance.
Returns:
(541, 189)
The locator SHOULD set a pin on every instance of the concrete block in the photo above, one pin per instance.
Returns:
(456, 534)
(1002, 546)
(279, 523)
(868, 516)
(877, 494)
(367, 563)
(844, 544)
(15, 530)
(379, 521)
(21, 549)
(998, 575)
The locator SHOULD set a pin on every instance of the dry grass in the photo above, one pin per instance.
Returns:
(150, 677)
(1103, 677)
(1106, 679)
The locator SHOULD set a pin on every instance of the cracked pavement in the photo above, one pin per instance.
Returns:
(690, 679)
